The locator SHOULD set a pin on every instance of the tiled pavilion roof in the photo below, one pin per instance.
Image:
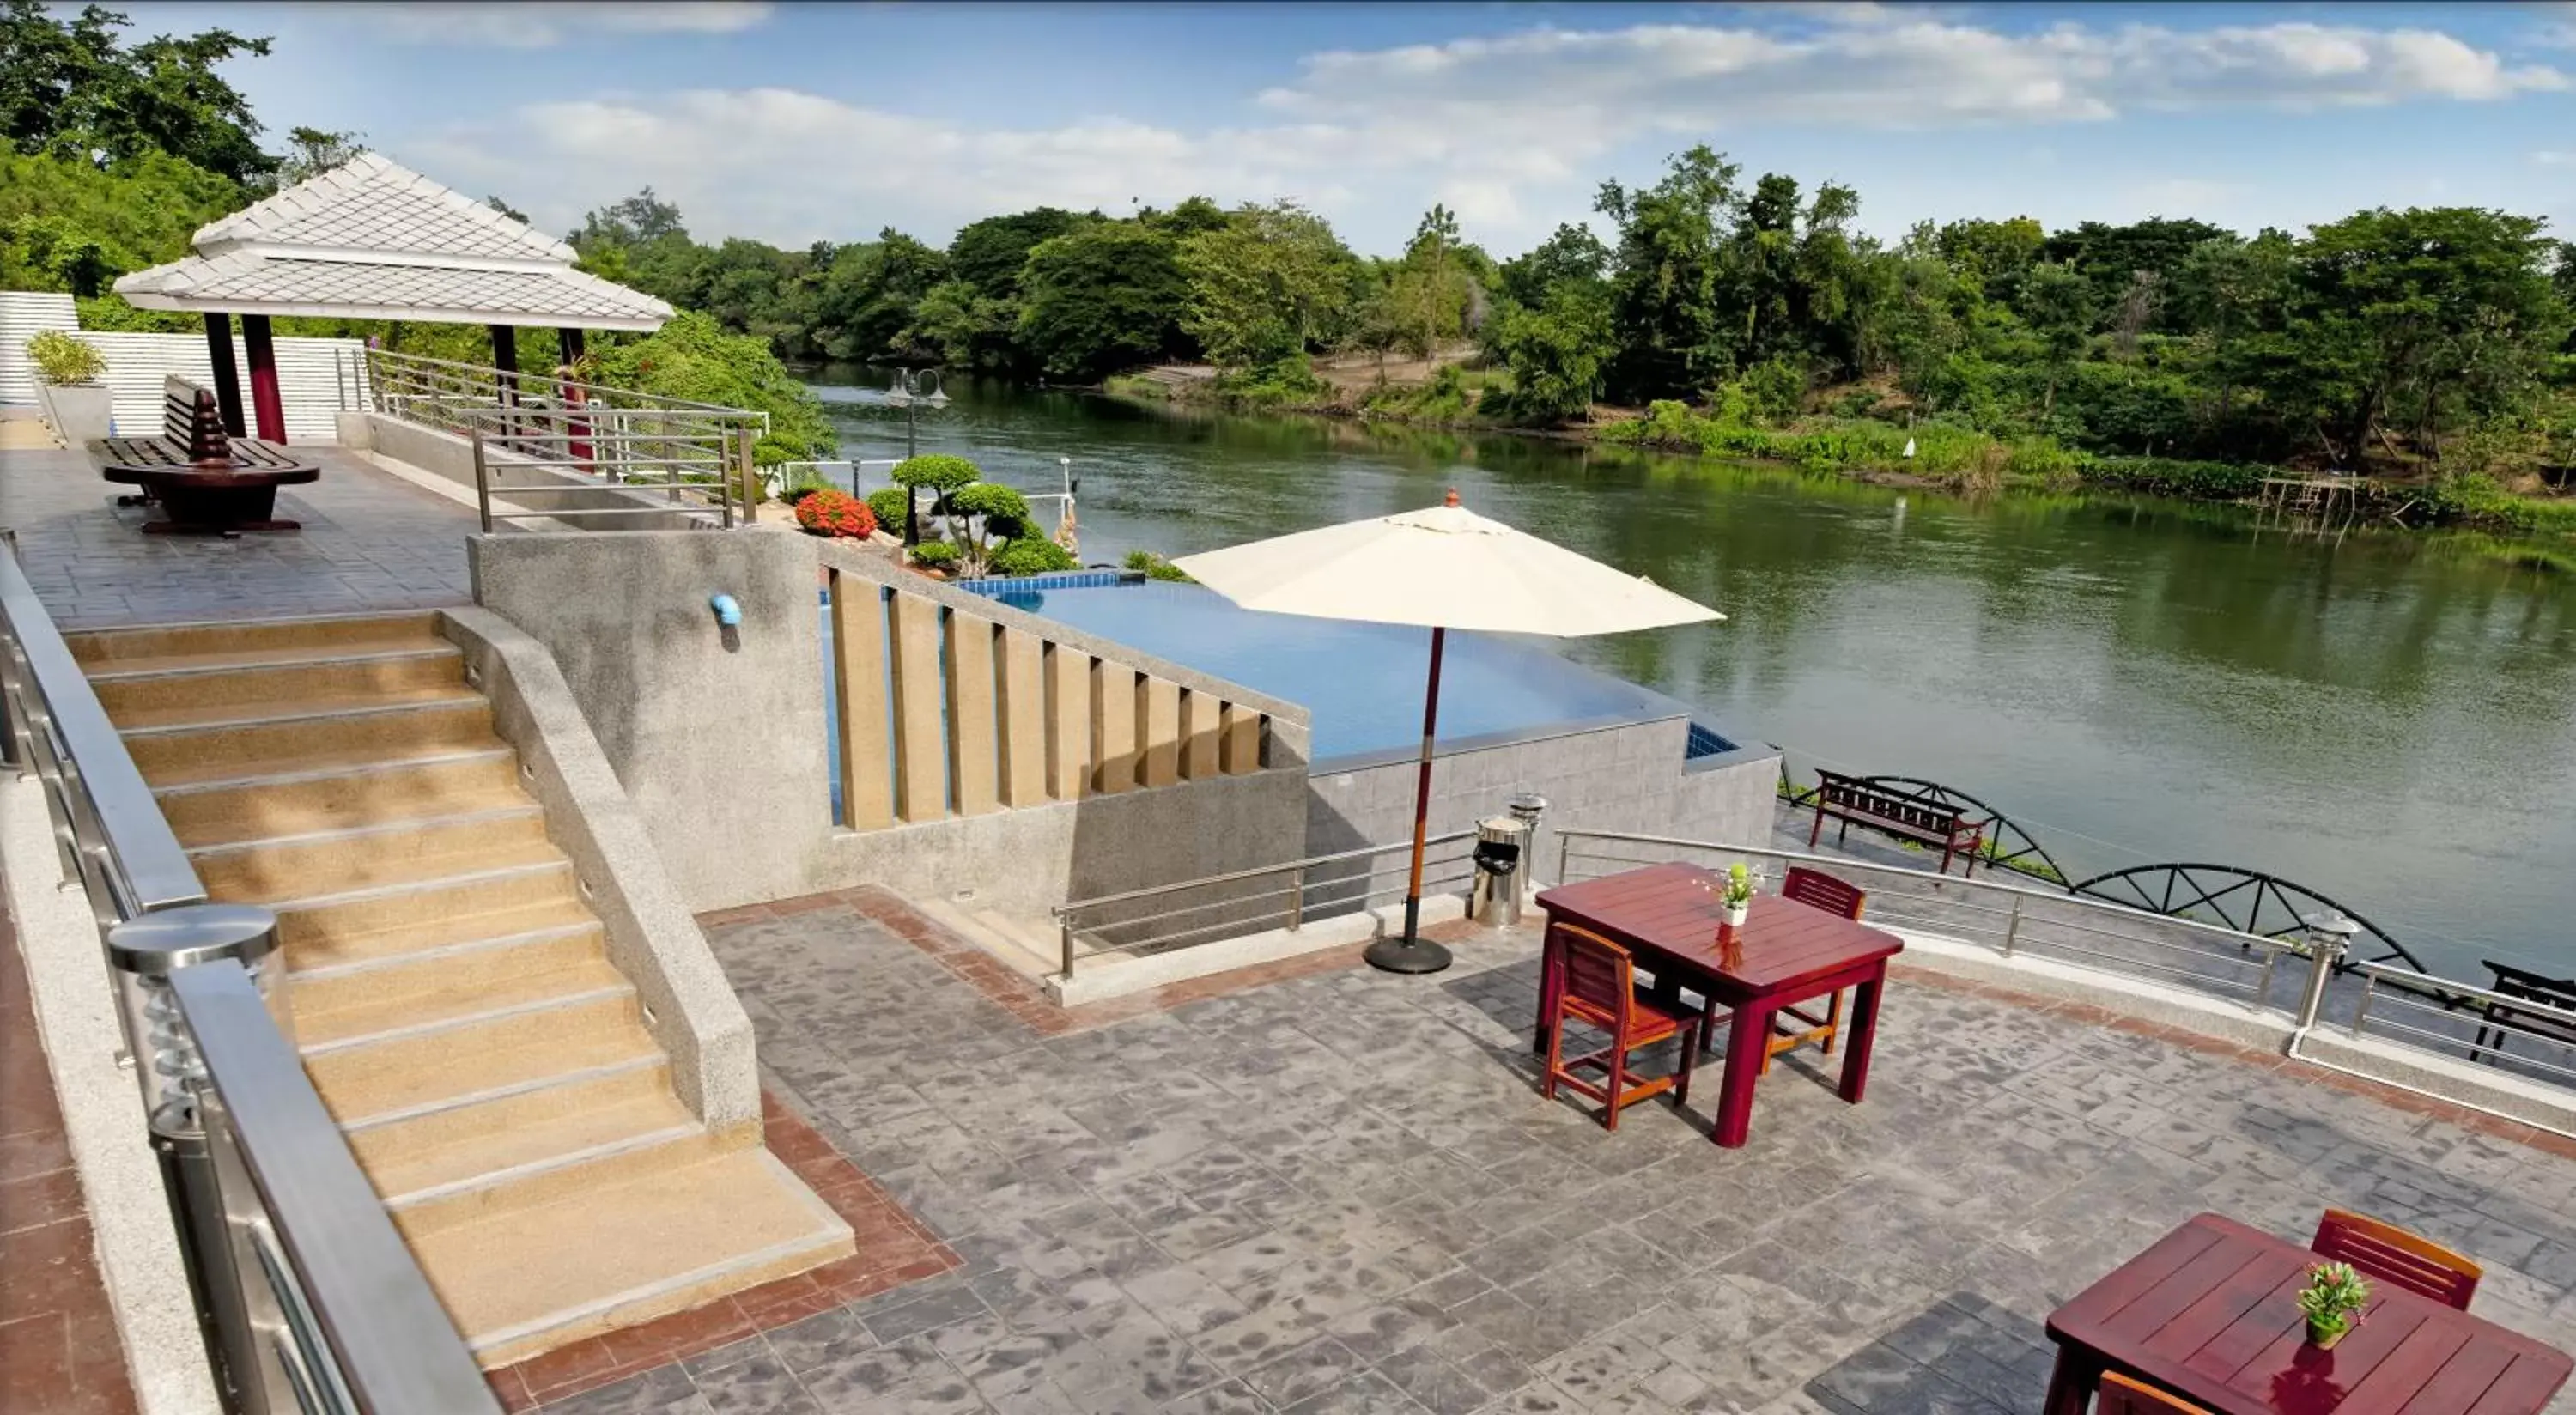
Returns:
(376, 240)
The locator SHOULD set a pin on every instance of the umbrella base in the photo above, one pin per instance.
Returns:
(1406, 955)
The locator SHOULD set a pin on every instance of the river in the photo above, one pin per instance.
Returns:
(2389, 719)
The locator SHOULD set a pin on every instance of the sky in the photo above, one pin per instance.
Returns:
(793, 123)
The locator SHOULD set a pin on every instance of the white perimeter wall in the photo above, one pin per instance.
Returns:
(313, 375)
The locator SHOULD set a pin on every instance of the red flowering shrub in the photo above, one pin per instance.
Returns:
(836, 513)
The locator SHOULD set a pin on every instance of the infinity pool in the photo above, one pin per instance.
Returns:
(1363, 682)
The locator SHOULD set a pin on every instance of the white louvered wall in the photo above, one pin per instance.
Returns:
(313, 375)
(23, 315)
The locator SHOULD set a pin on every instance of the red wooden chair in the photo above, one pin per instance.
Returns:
(1596, 983)
(2120, 1395)
(1792, 1028)
(2391, 1254)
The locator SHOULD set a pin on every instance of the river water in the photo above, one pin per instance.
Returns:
(2389, 720)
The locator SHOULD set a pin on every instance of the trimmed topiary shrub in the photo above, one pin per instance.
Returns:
(828, 512)
(935, 555)
(1030, 555)
(888, 506)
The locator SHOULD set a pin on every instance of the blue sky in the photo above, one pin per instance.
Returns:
(798, 122)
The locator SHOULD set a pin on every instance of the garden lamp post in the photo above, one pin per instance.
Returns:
(911, 388)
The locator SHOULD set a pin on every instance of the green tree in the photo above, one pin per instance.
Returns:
(1430, 293)
(1664, 269)
(989, 254)
(693, 357)
(1572, 254)
(2057, 303)
(871, 297)
(69, 88)
(67, 225)
(1105, 297)
(310, 152)
(1557, 353)
(1269, 284)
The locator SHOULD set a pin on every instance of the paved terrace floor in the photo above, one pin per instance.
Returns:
(1340, 1192)
(371, 543)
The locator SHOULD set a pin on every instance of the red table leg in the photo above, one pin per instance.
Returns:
(2071, 1385)
(1864, 1030)
(1746, 1038)
(1546, 988)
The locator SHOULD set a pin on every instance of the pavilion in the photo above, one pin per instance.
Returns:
(374, 240)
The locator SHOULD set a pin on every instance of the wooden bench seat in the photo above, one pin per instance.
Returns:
(1853, 799)
(205, 481)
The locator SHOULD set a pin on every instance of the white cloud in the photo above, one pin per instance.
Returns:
(1507, 129)
(2555, 159)
(540, 24)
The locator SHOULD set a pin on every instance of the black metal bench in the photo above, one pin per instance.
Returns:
(1852, 799)
(205, 480)
(2554, 999)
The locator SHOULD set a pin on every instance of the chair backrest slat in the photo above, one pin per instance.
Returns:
(1598, 973)
(1825, 892)
(190, 419)
(2391, 1254)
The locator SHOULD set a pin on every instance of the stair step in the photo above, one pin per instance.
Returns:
(966, 925)
(361, 1095)
(133, 691)
(173, 753)
(356, 873)
(465, 958)
(335, 796)
(394, 1138)
(193, 716)
(1038, 949)
(538, 1165)
(377, 1014)
(103, 646)
(417, 1062)
(528, 1280)
(360, 857)
(324, 930)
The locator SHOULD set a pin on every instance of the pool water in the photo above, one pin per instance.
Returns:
(1363, 682)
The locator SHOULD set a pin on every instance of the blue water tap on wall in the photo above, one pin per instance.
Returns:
(728, 613)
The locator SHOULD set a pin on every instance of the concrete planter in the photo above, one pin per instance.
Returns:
(79, 412)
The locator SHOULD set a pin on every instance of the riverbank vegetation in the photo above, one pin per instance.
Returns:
(2429, 348)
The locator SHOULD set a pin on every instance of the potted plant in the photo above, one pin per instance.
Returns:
(67, 374)
(1737, 897)
(2332, 1300)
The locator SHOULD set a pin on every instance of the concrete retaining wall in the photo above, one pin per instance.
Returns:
(1623, 776)
(690, 1009)
(718, 737)
(451, 457)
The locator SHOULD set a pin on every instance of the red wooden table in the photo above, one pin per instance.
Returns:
(2211, 1313)
(1786, 953)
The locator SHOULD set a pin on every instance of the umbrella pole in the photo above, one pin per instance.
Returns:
(1410, 953)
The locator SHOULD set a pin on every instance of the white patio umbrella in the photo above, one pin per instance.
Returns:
(1444, 568)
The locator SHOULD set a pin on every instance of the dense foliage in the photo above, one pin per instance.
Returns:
(64, 360)
(692, 357)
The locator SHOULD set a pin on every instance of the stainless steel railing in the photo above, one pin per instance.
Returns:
(308, 1298)
(587, 450)
(1286, 895)
(2305, 982)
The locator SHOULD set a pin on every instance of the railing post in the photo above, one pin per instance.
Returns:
(1296, 898)
(2012, 927)
(482, 478)
(750, 478)
(2323, 949)
(2361, 1009)
(1564, 853)
(176, 1092)
(1064, 940)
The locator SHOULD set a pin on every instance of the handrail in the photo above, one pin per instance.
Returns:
(487, 375)
(114, 826)
(308, 1298)
(2231, 936)
(347, 1269)
(1256, 872)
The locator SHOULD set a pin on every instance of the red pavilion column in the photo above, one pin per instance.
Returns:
(219, 353)
(267, 407)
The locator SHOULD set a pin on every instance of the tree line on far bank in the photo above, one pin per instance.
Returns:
(2432, 337)
(1739, 315)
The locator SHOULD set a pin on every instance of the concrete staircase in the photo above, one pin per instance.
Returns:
(452, 994)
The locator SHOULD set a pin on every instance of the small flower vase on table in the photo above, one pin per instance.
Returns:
(2332, 1303)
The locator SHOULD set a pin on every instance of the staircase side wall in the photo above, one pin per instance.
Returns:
(690, 1008)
